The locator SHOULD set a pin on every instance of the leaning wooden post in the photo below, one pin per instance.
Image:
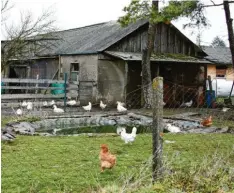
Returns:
(65, 91)
(157, 127)
(36, 91)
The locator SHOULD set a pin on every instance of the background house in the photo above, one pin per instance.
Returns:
(106, 60)
(220, 69)
(221, 62)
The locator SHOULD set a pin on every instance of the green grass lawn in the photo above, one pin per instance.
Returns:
(70, 164)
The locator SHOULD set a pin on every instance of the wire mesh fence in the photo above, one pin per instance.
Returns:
(194, 100)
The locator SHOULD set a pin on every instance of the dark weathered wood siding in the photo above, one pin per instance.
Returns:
(168, 40)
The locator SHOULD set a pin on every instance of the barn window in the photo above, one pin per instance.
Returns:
(74, 71)
(221, 71)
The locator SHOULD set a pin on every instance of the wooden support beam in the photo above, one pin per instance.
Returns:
(17, 80)
(33, 96)
(34, 88)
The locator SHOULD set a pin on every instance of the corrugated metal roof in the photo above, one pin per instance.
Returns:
(218, 55)
(132, 56)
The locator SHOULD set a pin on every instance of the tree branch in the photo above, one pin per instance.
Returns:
(29, 38)
(215, 5)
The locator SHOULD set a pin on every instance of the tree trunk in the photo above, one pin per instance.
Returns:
(230, 29)
(146, 70)
(230, 34)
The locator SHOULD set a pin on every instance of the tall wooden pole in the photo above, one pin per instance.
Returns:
(230, 33)
(157, 127)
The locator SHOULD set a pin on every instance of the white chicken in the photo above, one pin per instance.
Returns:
(45, 104)
(24, 104)
(187, 104)
(57, 110)
(19, 112)
(120, 108)
(71, 102)
(29, 106)
(102, 105)
(88, 107)
(225, 109)
(55, 131)
(119, 129)
(122, 104)
(128, 137)
(51, 103)
(172, 129)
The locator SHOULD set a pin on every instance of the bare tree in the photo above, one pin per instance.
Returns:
(5, 7)
(29, 38)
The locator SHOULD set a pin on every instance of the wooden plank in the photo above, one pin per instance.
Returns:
(52, 78)
(34, 88)
(164, 38)
(172, 41)
(8, 104)
(183, 47)
(157, 41)
(31, 96)
(143, 40)
(16, 80)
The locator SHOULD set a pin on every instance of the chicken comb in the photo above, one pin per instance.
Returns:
(104, 146)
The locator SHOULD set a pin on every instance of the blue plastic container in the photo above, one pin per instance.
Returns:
(210, 98)
(59, 85)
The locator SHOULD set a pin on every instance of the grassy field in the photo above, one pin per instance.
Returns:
(194, 163)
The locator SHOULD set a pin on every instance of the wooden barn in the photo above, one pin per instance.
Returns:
(106, 61)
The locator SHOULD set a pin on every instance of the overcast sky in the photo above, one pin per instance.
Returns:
(78, 13)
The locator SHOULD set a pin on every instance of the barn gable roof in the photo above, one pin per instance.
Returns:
(92, 39)
(95, 38)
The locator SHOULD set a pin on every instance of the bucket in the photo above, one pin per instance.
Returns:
(210, 98)
(2, 90)
(59, 85)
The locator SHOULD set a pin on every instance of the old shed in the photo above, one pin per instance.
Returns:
(106, 61)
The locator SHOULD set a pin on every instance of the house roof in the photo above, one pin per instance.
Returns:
(95, 38)
(91, 39)
(132, 56)
(218, 55)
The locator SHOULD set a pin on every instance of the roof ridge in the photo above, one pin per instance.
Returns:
(82, 27)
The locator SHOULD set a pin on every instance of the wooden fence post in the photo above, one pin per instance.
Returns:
(36, 91)
(157, 127)
(65, 91)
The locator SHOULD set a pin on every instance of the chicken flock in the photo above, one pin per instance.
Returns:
(107, 159)
(28, 106)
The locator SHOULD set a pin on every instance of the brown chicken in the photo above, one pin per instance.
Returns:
(107, 159)
(207, 121)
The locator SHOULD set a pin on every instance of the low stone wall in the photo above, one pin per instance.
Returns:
(130, 119)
